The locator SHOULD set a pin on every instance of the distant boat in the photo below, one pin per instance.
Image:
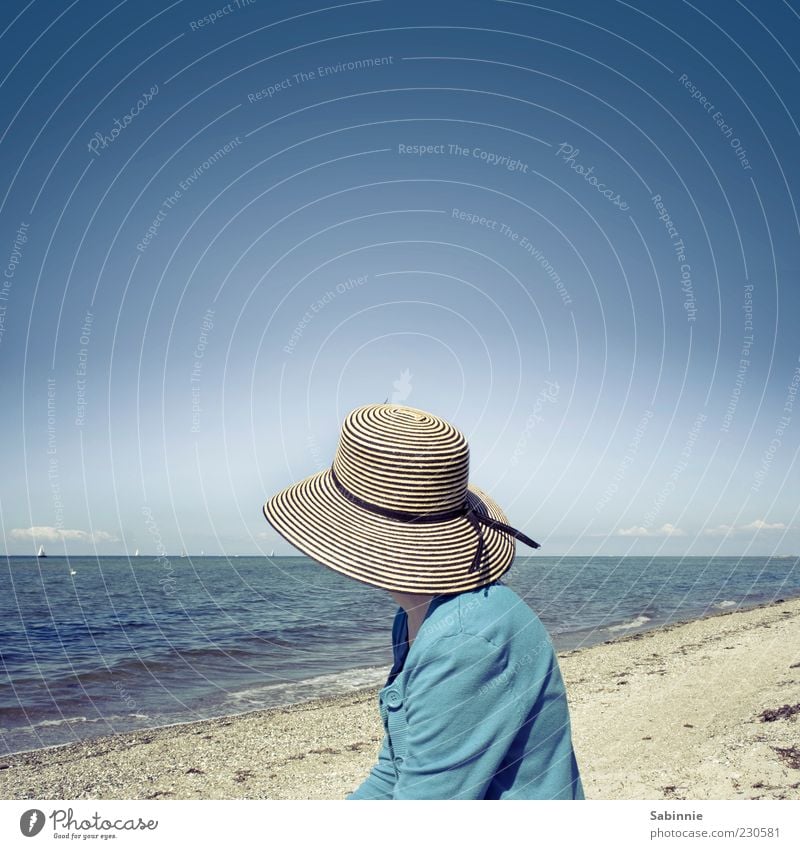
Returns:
(136, 553)
(183, 552)
(72, 572)
(41, 553)
(272, 553)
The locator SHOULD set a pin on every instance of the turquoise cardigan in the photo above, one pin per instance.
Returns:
(476, 708)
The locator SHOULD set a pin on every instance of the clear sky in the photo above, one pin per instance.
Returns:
(571, 229)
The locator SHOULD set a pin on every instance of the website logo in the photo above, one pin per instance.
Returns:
(31, 822)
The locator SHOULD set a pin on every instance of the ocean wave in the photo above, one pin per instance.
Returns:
(75, 720)
(634, 623)
(725, 603)
(157, 663)
(67, 720)
(335, 683)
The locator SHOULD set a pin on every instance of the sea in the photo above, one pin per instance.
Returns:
(91, 646)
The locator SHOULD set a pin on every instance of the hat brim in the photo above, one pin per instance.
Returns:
(403, 556)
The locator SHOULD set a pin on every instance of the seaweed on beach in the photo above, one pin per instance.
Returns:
(673, 791)
(790, 756)
(783, 712)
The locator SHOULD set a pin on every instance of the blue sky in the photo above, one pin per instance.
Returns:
(571, 231)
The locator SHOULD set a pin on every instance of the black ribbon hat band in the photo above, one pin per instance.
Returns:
(466, 510)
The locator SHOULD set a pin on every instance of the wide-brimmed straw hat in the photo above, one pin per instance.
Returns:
(396, 509)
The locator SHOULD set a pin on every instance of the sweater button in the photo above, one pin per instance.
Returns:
(393, 698)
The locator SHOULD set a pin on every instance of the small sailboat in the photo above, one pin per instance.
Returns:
(72, 572)
(41, 552)
(183, 552)
(136, 553)
(272, 553)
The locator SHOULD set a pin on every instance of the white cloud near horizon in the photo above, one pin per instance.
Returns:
(666, 530)
(755, 525)
(46, 533)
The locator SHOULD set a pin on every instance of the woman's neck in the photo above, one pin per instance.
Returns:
(416, 606)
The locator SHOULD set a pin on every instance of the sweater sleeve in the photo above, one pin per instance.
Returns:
(462, 717)
(379, 784)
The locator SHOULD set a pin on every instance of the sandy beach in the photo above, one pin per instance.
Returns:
(708, 709)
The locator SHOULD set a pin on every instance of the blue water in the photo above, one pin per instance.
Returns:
(134, 643)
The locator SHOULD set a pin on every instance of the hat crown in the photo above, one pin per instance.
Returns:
(402, 458)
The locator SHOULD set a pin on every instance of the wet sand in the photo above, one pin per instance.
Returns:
(708, 709)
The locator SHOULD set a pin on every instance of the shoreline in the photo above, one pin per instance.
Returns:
(632, 634)
(658, 625)
(668, 712)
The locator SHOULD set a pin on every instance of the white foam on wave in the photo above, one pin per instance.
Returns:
(67, 720)
(634, 623)
(725, 603)
(332, 684)
(78, 720)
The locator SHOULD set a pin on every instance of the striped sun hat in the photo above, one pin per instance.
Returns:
(396, 509)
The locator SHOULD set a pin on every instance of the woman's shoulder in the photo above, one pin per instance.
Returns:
(494, 612)
(501, 615)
